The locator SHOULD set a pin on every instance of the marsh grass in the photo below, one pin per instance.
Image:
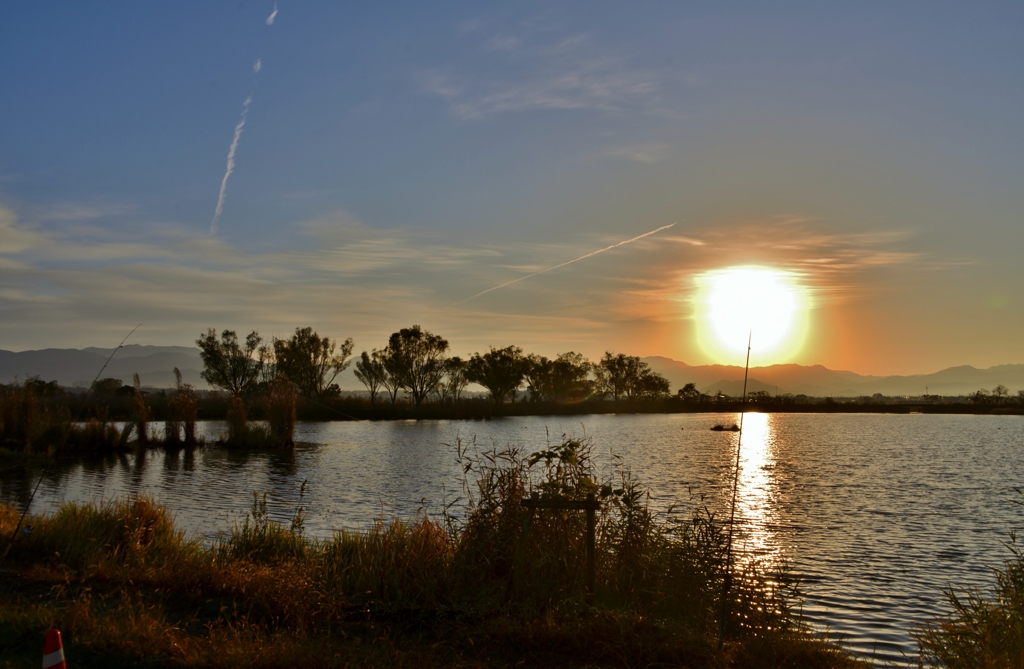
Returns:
(280, 411)
(243, 434)
(981, 632)
(19, 410)
(123, 583)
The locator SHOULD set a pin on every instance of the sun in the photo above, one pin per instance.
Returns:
(769, 305)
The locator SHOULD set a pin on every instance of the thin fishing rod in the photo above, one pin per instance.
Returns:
(732, 513)
(63, 441)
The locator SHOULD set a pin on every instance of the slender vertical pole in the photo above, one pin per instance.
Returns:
(591, 547)
(727, 581)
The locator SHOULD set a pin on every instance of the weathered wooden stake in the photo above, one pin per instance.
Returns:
(591, 506)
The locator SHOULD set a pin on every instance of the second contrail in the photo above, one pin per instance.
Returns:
(567, 262)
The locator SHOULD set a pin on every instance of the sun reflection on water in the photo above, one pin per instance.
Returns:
(755, 494)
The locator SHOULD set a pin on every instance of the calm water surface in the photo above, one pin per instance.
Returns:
(877, 514)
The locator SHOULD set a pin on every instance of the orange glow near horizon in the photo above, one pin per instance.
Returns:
(768, 304)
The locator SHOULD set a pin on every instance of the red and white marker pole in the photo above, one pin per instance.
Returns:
(53, 651)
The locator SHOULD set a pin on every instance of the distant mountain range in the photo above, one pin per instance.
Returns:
(77, 367)
(818, 381)
(155, 367)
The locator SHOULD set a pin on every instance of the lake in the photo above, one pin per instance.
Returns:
(877, 514)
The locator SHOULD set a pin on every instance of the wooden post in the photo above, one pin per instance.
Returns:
(591, 547)
(590, 505)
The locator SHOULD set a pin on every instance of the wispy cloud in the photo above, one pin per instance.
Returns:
(374, 281)
(642, 153)
(16, 238)
(81, 211)
(230, 166)
(257, 65)
(586, 85)
(503, 42)
(569, 74)
(568, 262)
(273, 15)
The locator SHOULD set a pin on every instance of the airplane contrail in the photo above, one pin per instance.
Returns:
(231, 165)
(568, 262)
(234, 142)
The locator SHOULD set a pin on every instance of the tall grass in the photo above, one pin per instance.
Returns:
(140, 413)
(19, 410)
(276, 433)
(28, 427)
(981, 632)
(280, 410)
(182, 410)
(446, 591)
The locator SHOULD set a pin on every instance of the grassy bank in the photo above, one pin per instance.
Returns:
(127, 589)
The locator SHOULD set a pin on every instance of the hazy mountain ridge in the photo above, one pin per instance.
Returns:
(820, 381)
(77, 367)
(155, 365)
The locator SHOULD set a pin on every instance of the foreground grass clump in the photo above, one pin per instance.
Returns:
(126, 588)
(981, 632)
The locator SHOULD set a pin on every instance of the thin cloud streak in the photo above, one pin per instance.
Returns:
(257, 65)
(568, 262)
(230, 166)
(273, 15)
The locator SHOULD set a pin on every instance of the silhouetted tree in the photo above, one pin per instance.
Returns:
(392, 379)
(627, 376)
(230, 365)
(370, 371)
(618, 373)
(563, 379)
(108, 386)
(648, 383)
(1000, 393)
(454, 379)
(688, 393)
(417, 360)
(312, 362)
(500, 370)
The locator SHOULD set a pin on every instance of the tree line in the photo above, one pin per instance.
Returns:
(418, 363)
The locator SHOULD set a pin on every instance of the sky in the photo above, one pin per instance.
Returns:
(386, 163)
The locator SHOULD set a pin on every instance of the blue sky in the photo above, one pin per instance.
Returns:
(397, 158)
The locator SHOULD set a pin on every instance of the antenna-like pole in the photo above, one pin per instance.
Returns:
(732, 513)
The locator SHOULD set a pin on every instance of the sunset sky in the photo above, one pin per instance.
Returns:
(397, 159)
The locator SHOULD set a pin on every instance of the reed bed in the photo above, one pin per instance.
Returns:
(30, 428)
(981, 632)
(126, 586)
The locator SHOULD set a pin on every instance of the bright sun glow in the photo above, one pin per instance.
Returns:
(769, 304)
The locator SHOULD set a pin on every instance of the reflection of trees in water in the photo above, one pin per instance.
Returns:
(138, 470)
(177, 461)
(18, 481)
(275, 472)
